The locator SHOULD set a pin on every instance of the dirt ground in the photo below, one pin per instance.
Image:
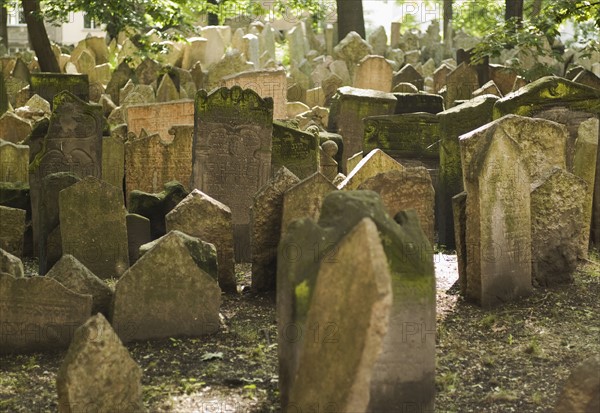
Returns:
(511, 359)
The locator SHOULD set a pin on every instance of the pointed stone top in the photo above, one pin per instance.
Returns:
(376, 162)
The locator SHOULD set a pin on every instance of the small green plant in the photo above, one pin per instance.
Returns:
(191, 385)
(488, 321)
(510, 340)
(533, 347)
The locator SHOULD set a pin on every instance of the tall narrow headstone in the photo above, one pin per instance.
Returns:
(93, 228)
(498, 227)
(231, 156)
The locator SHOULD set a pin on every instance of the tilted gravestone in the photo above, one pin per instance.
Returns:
(296, 150)
(93, 228)
(374, 163)
(349, 106)
(170, 291)
(204, 217)
(10, 264)
(453, 123)
(578, 107)
(14, 162)
(49, 85)
(498, 216)
(403, 373)
(461, 83)
(39, 314)
(267, 214)
(138, 234)
(97, 373)
(231, 156)
(351, 308)
(14, 128)
(72, 143)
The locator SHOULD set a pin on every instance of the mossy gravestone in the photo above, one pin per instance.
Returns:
(170, 291)
(93, 228)
(453, 123)
(231, 156)
(3, 97)
(351, 302)
(98, 374)
(49, 85)
(297, 150)
(72, 143)
(14, 160)
(404, 371)
(12, 230)
(498, 218)
(39, 314)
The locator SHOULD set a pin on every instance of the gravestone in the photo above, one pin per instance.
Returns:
(439, 77)
(266, 83)
(374, 72)
(156, 206)
(488, 88)
(138, 234)
(407, 189)
(76, 277)
(12, 230)
(170, 291)
(72, 143)
(231, 156)
(408, 74)
(459, 208)
(373, 164)
(498, 226)
(50, 241)
(418, 102)
(453, 123)
(113, 160)
(352, 49)
(349, 106)
(160, 117)
(150, 161)
(193, 51)
(148, 71)
(328, 166)
(409, 138)
(93, 228)
(296, 150)
(581, 392)
(14, 162)
(403, 373)
(166, 90)
(10, 264)
(304, 199)
(557, 225)
(49, 85)
(353, 161)
(352, 298)
(3, 96)
(503, 77)
(461, 83)
(13, 128)
(266, 218)
(204, 217)
(98, 374)
(39, 314)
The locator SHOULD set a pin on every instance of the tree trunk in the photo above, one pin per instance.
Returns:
(213, 19)
(447, 19)
(514, 9)
(350, 18)
(4, 23)
(38, 37)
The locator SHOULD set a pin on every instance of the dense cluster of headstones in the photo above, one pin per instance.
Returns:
(336, 207)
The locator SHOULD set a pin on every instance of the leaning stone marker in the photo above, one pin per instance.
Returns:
(93, 228)
(376, 162)
(39, 314)
(351, 301)
(294, 149)
(204, 217)
(267, 213)
(10, 264)
(170, 291)
(498, 227)
(98, 374)
(231, 156)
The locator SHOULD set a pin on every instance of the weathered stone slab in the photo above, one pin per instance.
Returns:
(407, 189)
(113, 160)
(98, 374)
(266, 83)
(418, 102)
(459, 207)
(231, 156)
(374, 72)
(159, 117)
(581, 392)
(76, 277)
(461, 83)
(408, 74)
(39, 314)
(122, 74)
(296, 150)
(304, 199)
(49, 85)
(404, 371)
(13, 128)
(498, 227)
(93, 228)
(11, 264)
(453, 123)
(376, 162)
(170, 291)
(138, 234)
(150, 161)
(202, 216)
(12, 230)
(349, 106)
(3, 96)
(351, 300)
(267, 214)
(557, 225)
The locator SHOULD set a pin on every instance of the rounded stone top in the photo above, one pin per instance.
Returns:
(330, 148)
